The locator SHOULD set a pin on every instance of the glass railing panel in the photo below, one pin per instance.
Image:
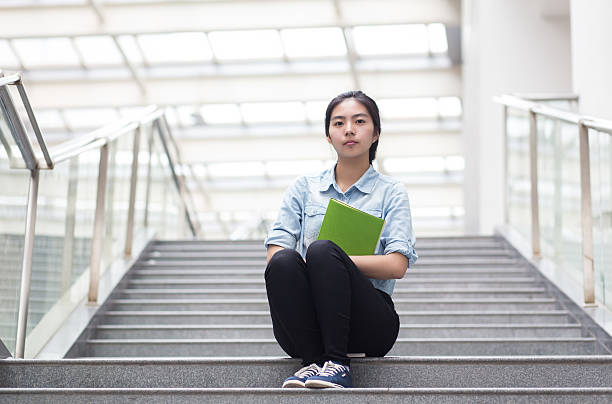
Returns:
(565, 105)
(7, 142)
(13, 202)
(141, 181)
(62, 245)
(559, 195)
(601, 192)
(85, 212)
(166, 213)
(518, 185)
(117, 198)
(49, 239)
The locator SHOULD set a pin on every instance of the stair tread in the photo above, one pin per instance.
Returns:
(283, 360)
(273, 341)
(265, 312)
(269, 326)
(396, 291)
(398, 300)
(233, 390)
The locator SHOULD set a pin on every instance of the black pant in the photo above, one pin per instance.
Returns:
(325, 307)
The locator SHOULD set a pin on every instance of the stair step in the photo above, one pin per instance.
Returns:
(178, 273)
(400, 304)
(463, 261)
(476, 271)
(422, 242)
(260, 253)
(414, 284)
(406, 317)
(203, 264)
(261, 263)
(526, 293)
(403, 347)
(193, 331)
(558, 395)
(422, 372)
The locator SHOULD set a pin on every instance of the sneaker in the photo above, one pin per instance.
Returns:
(299, 378)
(331, 375)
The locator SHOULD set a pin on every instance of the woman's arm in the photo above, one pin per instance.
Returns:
(272, 249)
(390, 266)
(287, 228)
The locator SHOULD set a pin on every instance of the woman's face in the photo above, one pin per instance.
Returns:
(351, 130)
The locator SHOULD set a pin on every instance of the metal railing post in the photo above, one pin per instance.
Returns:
(26, 272)
(586, 215)
(98, 231)
(533, 174)
(129, 235)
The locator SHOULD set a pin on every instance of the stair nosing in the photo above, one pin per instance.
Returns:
(144, 341)
(302, 392)
(389, 360)
(269, 326)
(265, 312)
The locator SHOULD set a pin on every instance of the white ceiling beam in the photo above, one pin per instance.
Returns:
(357, 12)
(172, 16)
(97, 8)
(350, 46)
(159, 30)
(202, 90)
(135, 76)
(314, 147)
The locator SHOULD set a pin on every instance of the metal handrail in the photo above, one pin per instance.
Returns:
(583, 124)
(22, 139)
(526, 105)
(547, 97)
(96, 140)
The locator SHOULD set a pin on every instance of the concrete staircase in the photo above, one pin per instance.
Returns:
(190, 322)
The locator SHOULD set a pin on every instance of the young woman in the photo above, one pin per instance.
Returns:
(325, 304)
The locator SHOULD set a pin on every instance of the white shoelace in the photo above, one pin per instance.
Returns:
(330, 368)
(308, 371)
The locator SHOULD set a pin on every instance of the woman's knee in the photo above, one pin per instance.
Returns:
(282, 262)
(320, 248)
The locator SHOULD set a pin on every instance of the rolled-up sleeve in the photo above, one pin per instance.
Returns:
(286, 230)
(398, 235)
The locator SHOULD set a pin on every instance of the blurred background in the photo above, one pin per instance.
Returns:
(246, 82)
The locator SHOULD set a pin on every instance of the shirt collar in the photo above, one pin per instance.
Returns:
(365, 184)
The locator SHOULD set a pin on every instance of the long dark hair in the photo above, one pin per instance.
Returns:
(364, 100)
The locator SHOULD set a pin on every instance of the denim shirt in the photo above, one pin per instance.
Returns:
(305, 201)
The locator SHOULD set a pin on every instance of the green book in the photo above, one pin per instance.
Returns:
(353, 230)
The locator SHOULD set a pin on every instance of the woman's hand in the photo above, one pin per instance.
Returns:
(390, 266)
